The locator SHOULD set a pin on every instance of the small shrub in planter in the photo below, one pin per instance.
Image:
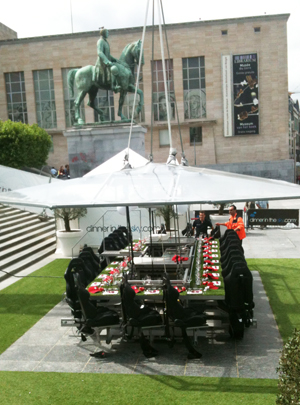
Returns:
(68, 214)
(289, 372)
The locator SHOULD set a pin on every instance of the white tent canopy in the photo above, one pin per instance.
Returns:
(153, 184)
(116, 162)
(12, 179)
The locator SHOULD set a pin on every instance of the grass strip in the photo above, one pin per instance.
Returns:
(281, 280)
(25, 302)
(53, 388)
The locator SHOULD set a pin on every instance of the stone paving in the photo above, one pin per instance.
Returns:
(49, 347)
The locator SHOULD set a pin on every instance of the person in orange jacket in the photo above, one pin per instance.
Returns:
(236, 223)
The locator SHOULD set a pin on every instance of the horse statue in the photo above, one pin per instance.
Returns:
(122, 81)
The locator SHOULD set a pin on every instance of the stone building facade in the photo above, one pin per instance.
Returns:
(199, 56)
(7, 33)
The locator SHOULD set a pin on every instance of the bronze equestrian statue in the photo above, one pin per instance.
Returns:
(108, 74)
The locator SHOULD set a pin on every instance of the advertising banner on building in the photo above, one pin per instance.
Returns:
(273, 217)
(245, 93)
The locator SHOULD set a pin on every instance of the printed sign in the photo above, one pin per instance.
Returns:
(245, 94)
(273, 217)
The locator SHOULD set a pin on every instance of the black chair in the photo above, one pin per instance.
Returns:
(107, 244)
(239, 298)
(234, 258)
(188, 230)
(91, 264)
(116, 239)
(232, 244)
(226, 234)
(184, 318)
(139, 317)
(94, 319)
(102, 261)
(76, 266)
(216, 233)
(91, 251)
(231, 240)
(122, 237)
(71, 293)
(231, 250)
(125, 231)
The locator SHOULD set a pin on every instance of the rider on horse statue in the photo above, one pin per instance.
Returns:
(105, 62)
(108, 74)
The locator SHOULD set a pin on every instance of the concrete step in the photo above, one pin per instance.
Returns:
(15, 233)
(13, 216)
(17, 221)
(26, 236)
(30, 242)
(27, 252)
(7, 210)
(25, 263)
(21, 225)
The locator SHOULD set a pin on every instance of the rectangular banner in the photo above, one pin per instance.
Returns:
(245, 93)
(273, 217)
(227, 94)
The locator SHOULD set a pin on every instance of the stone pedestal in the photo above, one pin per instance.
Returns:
(90, 146)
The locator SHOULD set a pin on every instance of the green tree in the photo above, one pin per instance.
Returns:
(23, 145)
(167, 212)
(68, 214)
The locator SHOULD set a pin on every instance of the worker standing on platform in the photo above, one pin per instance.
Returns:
(236, 223)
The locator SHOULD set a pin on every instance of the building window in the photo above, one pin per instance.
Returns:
(256, 29)
(44, 98)
(159, 97)
(16, 97)
(105, 102)
(69, 100)
(224, 32)
(194, 87)
(196, 136)
(128, 102)
(164, 137)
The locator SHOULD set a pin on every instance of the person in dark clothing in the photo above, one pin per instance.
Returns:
(201, 224)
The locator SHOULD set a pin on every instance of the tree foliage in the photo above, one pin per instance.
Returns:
(289, 372)
(167, 212)
(68, 214)
(23, 145)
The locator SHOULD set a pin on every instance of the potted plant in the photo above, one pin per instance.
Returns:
(166, 212)
(68, 238)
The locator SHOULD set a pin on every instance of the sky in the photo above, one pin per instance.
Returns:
(32, 18)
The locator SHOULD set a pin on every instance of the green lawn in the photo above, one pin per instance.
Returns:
(63, 388)
(25, 302)
(281, 280)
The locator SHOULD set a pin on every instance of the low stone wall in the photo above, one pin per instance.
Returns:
(277, 169)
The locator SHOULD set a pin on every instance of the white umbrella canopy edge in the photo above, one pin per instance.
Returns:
(153, 184)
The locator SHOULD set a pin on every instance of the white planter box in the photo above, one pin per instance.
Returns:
(220, 219)
(67, 242)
